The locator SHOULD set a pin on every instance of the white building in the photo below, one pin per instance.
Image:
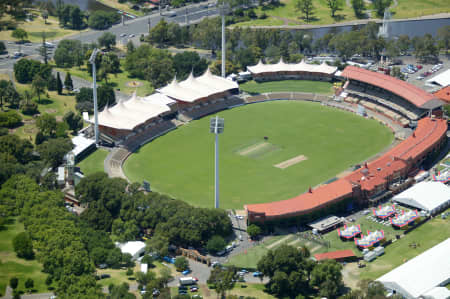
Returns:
(135, 248)
(423, 276)
(427, 196)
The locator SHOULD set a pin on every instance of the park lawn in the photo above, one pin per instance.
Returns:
(12, 266)
(121, 6)
(255, 290)
(94, 162)
(332, 140)
(118, 276)
(286, 11)
(54, 104)
(287, 86)
(117, 81)
(419, 8)
(269, 21)
(36, 27)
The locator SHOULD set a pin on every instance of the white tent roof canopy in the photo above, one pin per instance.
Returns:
(129, 114)
(195, 88)
(427, 196)
(281, 66)
(132, 247)
(443, 79)
(422, 273)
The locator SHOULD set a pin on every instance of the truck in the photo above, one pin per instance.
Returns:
(187, 280)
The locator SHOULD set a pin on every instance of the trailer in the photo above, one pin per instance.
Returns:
(187, 280)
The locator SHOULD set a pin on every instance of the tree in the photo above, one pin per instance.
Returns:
(334, 6)
(187, 62)
(102, 20)
(69, 53)
(444, 37)
(158, 244)
(74, 121)
(306, 7)
(58, 83)
(7, 91)
(44, 15)
(68, 83)
(425, 48)
(222, 279)
(2, 47)
(52, 151)
(181, 263)
(107, 40)
(380, 6)
(13, 282)
(358, 7)
(46, 124)
(29, 283)
(253, 230)
(20, 34)
(327, 276)
(38, 85)
(23, 246)
(159, 33)
(10, 119)
(216, 244)
(130, 47)
(43, 50)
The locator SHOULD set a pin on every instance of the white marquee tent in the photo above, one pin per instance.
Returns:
(443, 79)
(423, 275)
(135, 248)
(428, 196)
(281, 66)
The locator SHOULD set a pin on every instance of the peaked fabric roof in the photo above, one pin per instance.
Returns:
(443, 79)
(159, 99)
(195, 88)
(281, 66)
(127, 115)
(409, 92)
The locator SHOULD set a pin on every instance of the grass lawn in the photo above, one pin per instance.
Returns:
(54, 104)
(93, 162)
(286, 14)
(36, 27)
(117, 81)
(418, 8)
(287, 85)
(332, 140)
(118, 276)
(121, 6)
(251, 290)
(12, 266)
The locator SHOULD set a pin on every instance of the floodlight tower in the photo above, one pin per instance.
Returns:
(94, 92)
(216, 127)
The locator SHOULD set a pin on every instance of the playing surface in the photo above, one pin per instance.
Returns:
(181, 163)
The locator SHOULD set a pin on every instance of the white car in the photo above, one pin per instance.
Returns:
(170, 14)
(123, 35)
(131, 35)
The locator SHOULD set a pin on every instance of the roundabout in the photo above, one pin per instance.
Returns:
(269, 151)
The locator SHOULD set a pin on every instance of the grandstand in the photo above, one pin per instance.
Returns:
(397, 99)
(286, 71)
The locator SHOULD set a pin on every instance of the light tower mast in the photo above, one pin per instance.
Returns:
(94, 92)
(216, 127)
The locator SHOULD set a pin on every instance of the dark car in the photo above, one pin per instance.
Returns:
(103, 276)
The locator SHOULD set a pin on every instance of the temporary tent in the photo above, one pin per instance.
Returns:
(428, 196)
(135, 248)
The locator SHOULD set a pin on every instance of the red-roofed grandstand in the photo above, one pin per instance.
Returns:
(397, 99)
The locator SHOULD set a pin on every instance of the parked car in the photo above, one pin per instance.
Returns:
(185, 272)
(131, 35)
(194, 289)
(104, 276)
(256, 274)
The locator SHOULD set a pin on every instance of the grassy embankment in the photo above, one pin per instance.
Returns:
(12, 266)
(287, 86)
(94, 162)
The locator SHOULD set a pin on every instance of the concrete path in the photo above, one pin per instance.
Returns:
(9, 295)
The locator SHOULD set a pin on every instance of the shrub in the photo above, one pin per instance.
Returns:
(23, 246)
(130, 272)
(181, 263)
(30, 109)
(10, 119)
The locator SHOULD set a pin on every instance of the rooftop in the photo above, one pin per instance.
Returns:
(333, 255)
(409, 92)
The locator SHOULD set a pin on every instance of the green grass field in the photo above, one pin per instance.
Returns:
(94, 162)
(12, 266)
(286, 14)
(287, 85)
(181, 163)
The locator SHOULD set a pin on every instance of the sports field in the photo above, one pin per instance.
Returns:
(324, 141)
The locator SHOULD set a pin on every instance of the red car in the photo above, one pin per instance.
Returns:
(419, 66)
